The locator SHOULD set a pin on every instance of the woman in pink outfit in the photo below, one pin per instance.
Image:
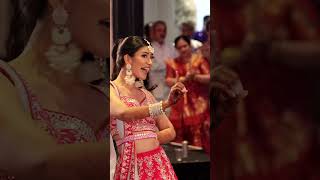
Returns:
(46, 129)
(138, 141)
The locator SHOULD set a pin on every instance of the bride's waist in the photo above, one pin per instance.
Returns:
(145, 136)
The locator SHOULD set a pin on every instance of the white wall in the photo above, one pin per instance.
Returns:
(162, 10)
(203, 9)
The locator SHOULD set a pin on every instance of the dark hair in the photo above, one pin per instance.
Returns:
(185, 38)
(206, 18)
(23, 20)
(147, 29)
(208, 26)
(188, 24)
(159, 22)
(130, 46)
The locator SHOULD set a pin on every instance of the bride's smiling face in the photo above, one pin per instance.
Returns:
(142, 62)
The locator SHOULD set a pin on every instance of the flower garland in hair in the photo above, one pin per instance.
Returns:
(119, 48)
(151, 49)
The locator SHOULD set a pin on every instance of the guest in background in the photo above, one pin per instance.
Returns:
(187, 29)
(205, 48)
(202, 35)
(272, 134)
(190, 116)
(163, 51)
(148, 32)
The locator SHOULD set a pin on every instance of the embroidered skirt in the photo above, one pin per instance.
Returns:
(155, 165)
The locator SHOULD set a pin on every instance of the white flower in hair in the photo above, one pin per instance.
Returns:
(151, 49)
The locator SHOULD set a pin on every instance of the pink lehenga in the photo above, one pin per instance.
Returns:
(65, 128)
(152, 164)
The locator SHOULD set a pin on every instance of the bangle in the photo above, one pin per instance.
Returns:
(156, 109)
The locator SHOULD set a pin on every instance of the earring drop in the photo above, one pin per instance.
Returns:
(129, 79)
(62, 55)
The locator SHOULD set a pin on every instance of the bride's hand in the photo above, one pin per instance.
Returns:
(177, 91)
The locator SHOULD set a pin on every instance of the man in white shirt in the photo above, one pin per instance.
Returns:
(163, 51)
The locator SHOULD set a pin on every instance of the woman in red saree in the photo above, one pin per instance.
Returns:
(190, 116)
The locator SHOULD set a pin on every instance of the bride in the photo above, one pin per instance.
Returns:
(138, 136)
(45, 126)
(119, 109)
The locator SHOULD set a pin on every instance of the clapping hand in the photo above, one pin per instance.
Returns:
(177, 91)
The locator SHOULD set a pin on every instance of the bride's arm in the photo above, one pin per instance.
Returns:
(166, 130)
(121, 111)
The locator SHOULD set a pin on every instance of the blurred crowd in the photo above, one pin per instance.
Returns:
(273, 45)
(185, 60)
